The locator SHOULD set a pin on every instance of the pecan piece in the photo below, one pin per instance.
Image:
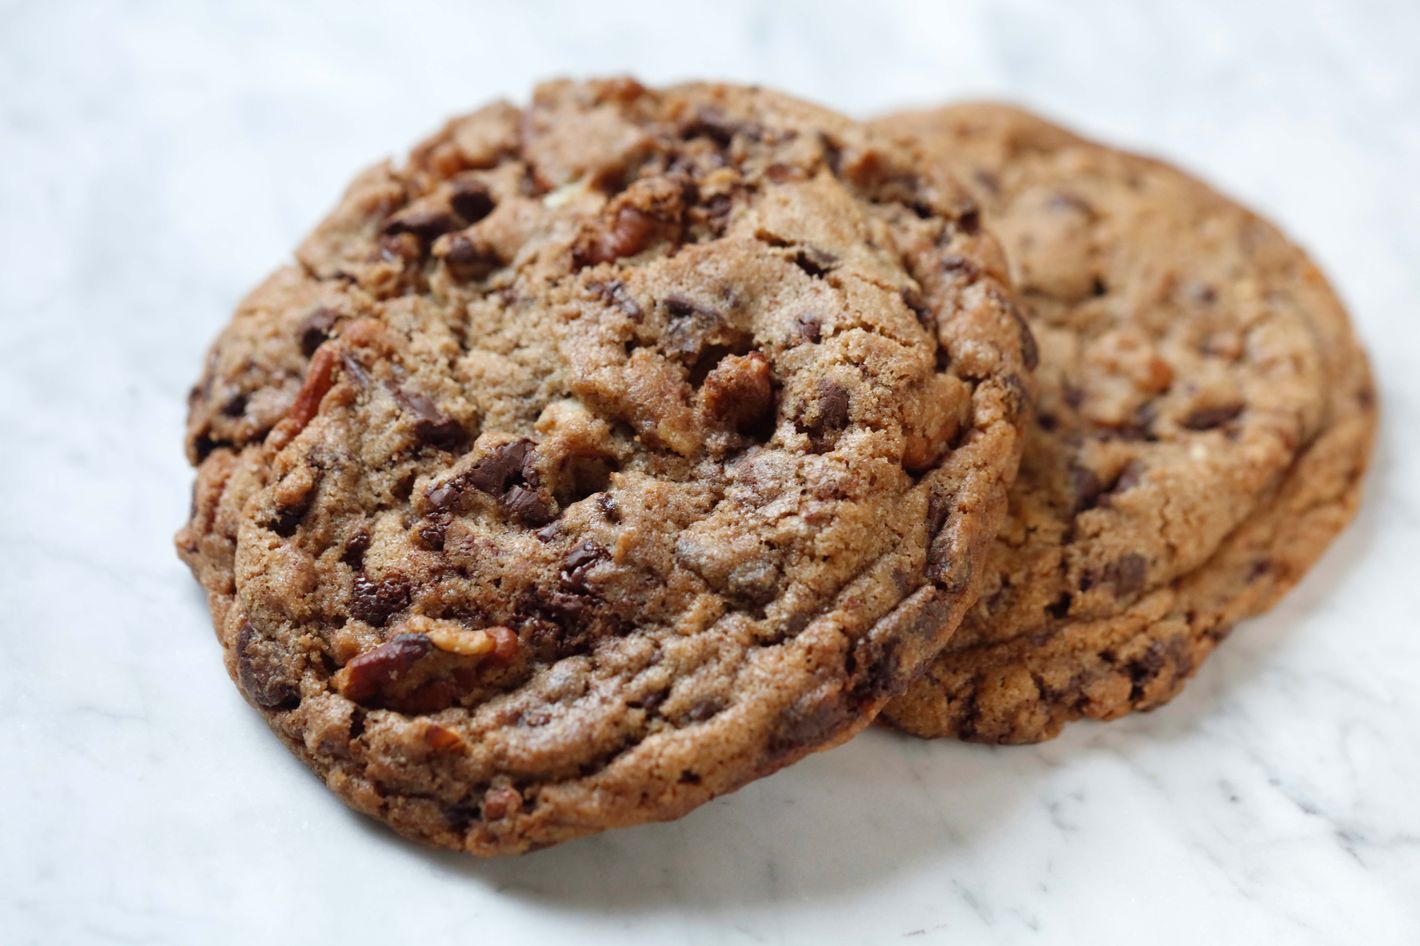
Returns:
(738, 391)
(319, 379)
(362, 679)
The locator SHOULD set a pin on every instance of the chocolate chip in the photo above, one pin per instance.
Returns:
(431, 425)
(914, 301)
(650, 702)
(606, 502)
(690, 325)
(617, 294)
(814, 261)
(431, 532)
(833, 404)
(235, 406)
(1085, 489)
(1098, 287)
(970, 221)
(1030, 353)
(426, 224)
(960, 265)
(876, 666)
(832, 153)
(711, 122)
(1126, 574)
(828, 411)
(1258, 568)
(1207, 418)
(578, 563)
(262, 671)
(717, 212)
(988, 181)
(527, 506)
(287, 518)
(1143, 669)
(705, 709)
(752, 584)
(510, 475)
(469, 260)
(317, 328)
(810, 329)
(471, 199)
(1060, 607)
(355, 548)
(374, 602)
(810, 722)
(501, 469)
(462, 816)
(444, 495)
(362, 679)
(1127, 479)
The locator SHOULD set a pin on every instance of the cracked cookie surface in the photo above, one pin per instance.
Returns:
(612, 452)
(1204, 419)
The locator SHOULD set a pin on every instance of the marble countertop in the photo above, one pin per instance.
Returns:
(158, 158)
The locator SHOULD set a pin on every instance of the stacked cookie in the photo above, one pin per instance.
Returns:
(617, 450)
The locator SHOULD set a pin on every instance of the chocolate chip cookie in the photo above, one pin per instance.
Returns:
(1205, 416)
(610, 453)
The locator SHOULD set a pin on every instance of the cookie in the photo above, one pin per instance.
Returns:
(609, 454)
(1205, 417)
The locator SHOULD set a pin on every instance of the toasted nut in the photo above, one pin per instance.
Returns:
(442, 739)
(458, 640)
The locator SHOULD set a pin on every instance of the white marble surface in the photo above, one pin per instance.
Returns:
(156, 159)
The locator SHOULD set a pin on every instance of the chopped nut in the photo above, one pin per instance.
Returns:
(441, 739)
(498, 803)
(362, 679)
(319, 378)
(458, 640)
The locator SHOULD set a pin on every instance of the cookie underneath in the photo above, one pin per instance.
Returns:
(1205, 418)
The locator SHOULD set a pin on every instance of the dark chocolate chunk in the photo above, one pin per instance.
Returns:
(501, 469)
(1085, 489)
(578, 563)
(431, 425)
(471, 199)
(469, 260)
(827, 412)
(528, 506)
(426, 224)
(810, 328)
(374, 602)
(317, 328)
(914, 301)
(355, 548)
(1207, 418)
(1126, 575)
(704, 709)
(618, 295)
(261, 671)
(814, 261)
